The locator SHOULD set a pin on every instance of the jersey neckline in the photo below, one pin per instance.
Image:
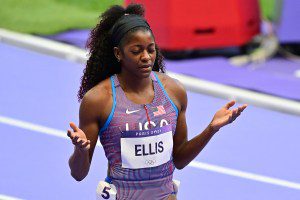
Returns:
(132, 103)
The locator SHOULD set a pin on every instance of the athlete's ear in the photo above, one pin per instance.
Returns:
(118, 54)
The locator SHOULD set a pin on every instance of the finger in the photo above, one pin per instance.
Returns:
(235, 111)
(236, 116)
(85, 144)
(78, 142)
(74, 127)
(85, 147)
(239, 111)
(69, 134)
(229, 104)
(244, 106)
(75, 139)
(74, 142)
(241, 108)
(229, 119)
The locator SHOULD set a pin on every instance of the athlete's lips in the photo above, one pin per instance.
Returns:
(146, 66)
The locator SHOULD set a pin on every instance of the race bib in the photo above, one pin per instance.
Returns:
(147, 148)
(176, 185)
(106, 191)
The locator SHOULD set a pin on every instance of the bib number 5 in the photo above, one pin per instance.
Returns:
(106, 191)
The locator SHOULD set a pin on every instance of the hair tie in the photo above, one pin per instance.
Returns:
(126, 23)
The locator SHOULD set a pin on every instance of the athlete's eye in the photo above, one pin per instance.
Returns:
(135, 52)
(151, 50)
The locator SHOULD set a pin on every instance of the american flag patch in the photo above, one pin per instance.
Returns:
(158, 110)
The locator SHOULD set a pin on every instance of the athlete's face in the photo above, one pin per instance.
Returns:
(138, 54)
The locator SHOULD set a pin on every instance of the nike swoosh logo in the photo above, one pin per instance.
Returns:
(131, 111)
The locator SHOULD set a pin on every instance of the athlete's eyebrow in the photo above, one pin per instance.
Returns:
(141, 46)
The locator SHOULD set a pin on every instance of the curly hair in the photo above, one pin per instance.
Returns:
(102, 62)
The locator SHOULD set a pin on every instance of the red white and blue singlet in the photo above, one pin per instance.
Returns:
(138, 142)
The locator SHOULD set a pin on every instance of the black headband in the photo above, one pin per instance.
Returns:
(125, 24)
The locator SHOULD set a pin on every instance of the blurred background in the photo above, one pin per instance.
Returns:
(247, 50)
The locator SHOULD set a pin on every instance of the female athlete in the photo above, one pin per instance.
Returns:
(136, 110)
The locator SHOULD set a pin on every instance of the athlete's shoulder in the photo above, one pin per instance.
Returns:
(100, 92)
(174, 88)
(98, 99)
(170, 83)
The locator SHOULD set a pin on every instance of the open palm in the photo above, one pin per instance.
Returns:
(78, 138)
(226, 116)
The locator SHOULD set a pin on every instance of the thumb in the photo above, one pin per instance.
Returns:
(74, 127)
(229, 104)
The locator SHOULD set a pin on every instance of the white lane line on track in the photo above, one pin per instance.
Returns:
(195, 164)
(245, 175)
(5, 197)
(35, 127)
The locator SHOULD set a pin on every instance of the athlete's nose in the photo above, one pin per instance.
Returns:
(145, 57)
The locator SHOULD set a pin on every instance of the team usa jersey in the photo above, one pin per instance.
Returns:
(138, 143)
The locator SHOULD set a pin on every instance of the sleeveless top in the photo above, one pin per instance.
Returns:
(128, 118)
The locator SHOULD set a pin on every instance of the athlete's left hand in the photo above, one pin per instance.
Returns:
(226, 116)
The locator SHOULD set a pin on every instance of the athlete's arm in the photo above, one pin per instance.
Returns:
(185, 151)
(93, 107)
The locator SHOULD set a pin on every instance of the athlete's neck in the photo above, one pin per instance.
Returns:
(131, 83)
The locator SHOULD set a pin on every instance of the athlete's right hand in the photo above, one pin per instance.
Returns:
(78, 138)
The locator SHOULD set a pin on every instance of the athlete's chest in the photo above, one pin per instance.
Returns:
(143, 117)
